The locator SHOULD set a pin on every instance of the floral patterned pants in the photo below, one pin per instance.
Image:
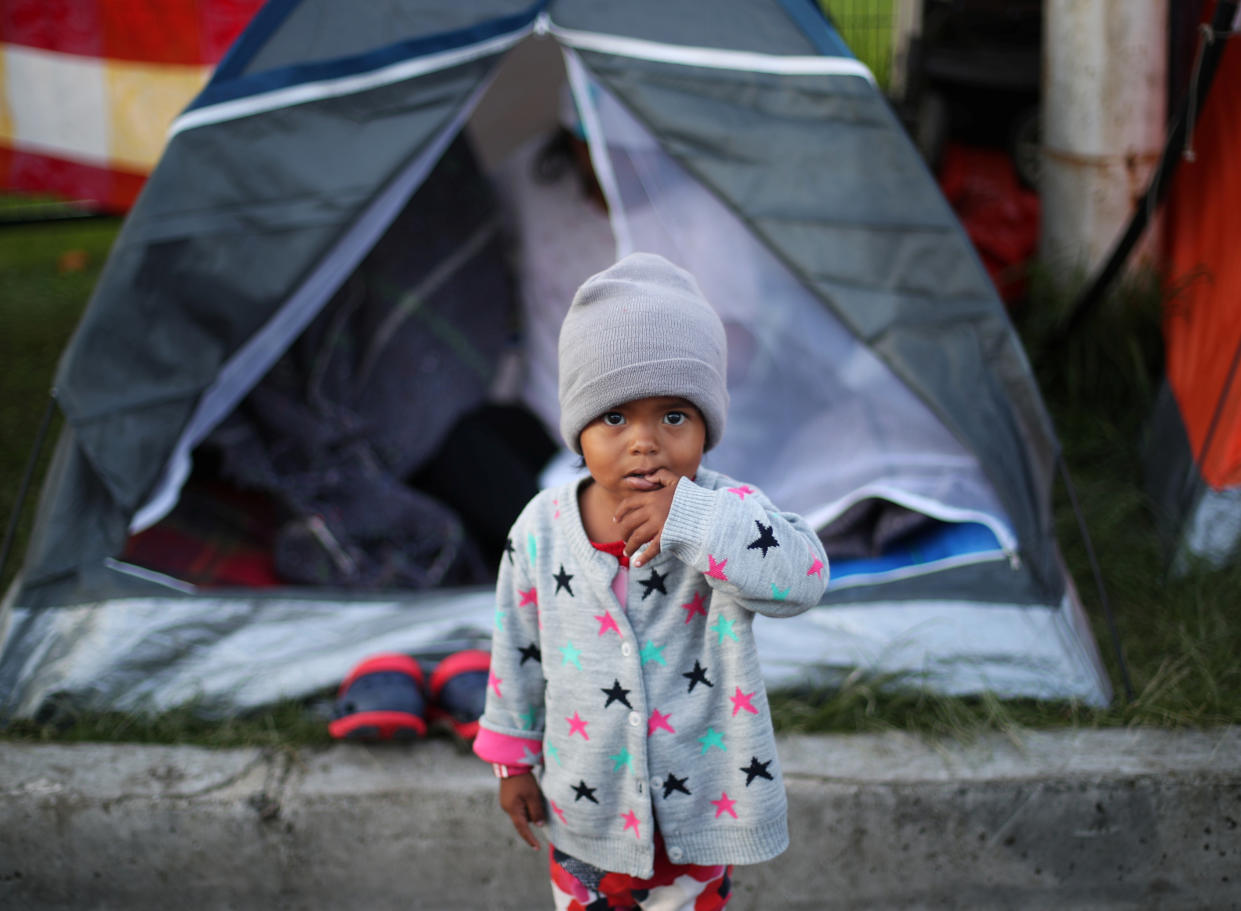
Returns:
(578, 886)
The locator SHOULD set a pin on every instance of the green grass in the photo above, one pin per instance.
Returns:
(1181, 636)
(288, 723)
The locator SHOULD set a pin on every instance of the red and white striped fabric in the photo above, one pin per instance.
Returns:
(88, 88)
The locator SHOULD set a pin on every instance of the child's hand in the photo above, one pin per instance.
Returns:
(522, 800)
(642, 515)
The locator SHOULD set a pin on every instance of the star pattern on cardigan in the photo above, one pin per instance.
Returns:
(578, 726)
(756, 769)
(696, 676)
(765, 541)
(695, 606)
(616, 693)
(582, 790)
(653, 641)
(631, 822)
(724, 805)
(607, 623)
(563, 578)
(742, 701)
(712, 738)
(572, 655)
(529, 718)
(724, 627)
(659, 722)
(672, 783)
(653, 583)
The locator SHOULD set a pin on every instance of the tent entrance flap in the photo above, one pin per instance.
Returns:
(240, 373)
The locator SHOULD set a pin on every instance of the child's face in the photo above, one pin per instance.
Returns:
(623, 447)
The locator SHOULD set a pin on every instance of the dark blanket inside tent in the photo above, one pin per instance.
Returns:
(377, 390)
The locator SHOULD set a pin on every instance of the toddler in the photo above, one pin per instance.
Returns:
(626, 711)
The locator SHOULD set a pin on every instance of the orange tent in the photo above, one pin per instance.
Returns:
(1194, 450)
(1202, 327)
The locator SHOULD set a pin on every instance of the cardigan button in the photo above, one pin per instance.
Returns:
(635, 719)
(675, 853)
(626, 649)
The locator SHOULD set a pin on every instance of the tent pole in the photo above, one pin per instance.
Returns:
(11, 529)
(1113, 632)
(1145, 207)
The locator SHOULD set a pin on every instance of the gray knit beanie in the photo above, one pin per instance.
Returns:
(641, 328)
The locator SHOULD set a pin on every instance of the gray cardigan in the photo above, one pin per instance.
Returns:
(654, 716)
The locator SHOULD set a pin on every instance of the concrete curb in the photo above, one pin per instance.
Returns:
(1066, 820)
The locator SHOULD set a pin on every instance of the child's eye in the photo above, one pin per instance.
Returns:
(675, 417)
(613, 419)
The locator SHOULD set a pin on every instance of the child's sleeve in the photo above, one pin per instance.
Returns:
(743, 545)
(510, 731)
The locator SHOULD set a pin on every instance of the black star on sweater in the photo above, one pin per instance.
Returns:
(529, 652)
(696, 676)
(765, 539)
(509, 549)
(562, 581)
(756, 769)
(655, 582)
(617, 693)
(672, 783)
(583, 791)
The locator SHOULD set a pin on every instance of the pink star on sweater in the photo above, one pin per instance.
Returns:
(578, 726)
(530, 597)
(716, 570)
(724, 805)
(693, 606)
(607, 622)
(742, 701)
(816, 568)
(555, 809)
(494, 682)
(741, 491)
(659, 720)
(631, 822)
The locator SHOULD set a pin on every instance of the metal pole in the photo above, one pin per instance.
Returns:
(1104, 102)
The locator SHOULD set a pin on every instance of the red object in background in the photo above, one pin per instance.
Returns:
(999, 213)
(1202, 325)
(143, 38)
(143, 31)
(216, 536)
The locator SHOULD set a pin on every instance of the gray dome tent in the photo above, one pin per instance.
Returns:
(877, 385)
